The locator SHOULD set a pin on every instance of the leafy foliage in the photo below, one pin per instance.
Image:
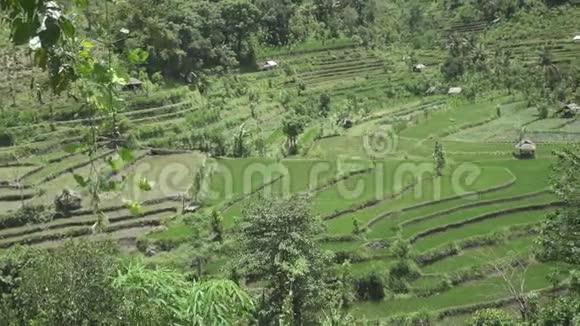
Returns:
(492, 317)
(559, 235)
(277, 244)
(163, 297)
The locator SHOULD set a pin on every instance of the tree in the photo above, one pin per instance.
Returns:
(241, 19)
(543, 111)
(370, 287)
(217, 227)
(453, 68)
(513, 275)
(275, 22)
(292, 127)
(356, 230)
(548, 67)
(563, 311)
(239, 148)
(559, 233)
(324, 104)
(439, 157)
(277, 242)
(71, 286)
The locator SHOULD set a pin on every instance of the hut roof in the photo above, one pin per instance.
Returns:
(455, 90)
(526, 145)
(271, 63)
(420, 66)
(577, 38)
(133, 82)
(572, 107)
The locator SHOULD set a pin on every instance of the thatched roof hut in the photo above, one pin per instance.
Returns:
(526, 148)
(455, 91)
(571, 110)
(133, 84)
(419, 67)
(269, 65)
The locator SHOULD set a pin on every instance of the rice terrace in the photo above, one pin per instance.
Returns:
(356, 162)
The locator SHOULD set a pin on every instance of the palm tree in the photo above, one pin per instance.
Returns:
(478, 55)
(547, 65)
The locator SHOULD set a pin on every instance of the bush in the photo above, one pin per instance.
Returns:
(70, 286)
(492, 317)
(351, 256)
(28, 214)
(370, 287)
(6, 139)
(453, 68)
(324, 104)
(564, 311)
(404, 269)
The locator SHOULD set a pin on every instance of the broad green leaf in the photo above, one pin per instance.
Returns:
(22, 32)
(87, 44)
(138, 56)
(118, 80)
(101, 73)
(115, 163)
(81, 181)
(67, 28)
(126, 154)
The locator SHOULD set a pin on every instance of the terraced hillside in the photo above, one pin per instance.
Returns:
(374, 183)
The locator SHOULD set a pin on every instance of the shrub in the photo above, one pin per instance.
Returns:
(453, 68)
(404, 269)
(370, 287)
(351, 256)
(492, 317)
(324, 104)
(6, 139)
(71, 286)
(28, 214)
(564, 311)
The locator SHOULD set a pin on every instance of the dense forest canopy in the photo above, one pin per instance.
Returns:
(185, 38)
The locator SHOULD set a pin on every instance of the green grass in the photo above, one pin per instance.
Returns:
(484, 227)
(380, 266)
(451, 118)
(479, 256)
(415, 228)
(490, 177)
(14, 173)
(486, 290)
(176, 231)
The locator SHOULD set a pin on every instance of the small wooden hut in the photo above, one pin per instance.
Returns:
(454, 91)
(133, 85)
(570, 110)
(419, 67)
(526, 148)
(270, 65)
